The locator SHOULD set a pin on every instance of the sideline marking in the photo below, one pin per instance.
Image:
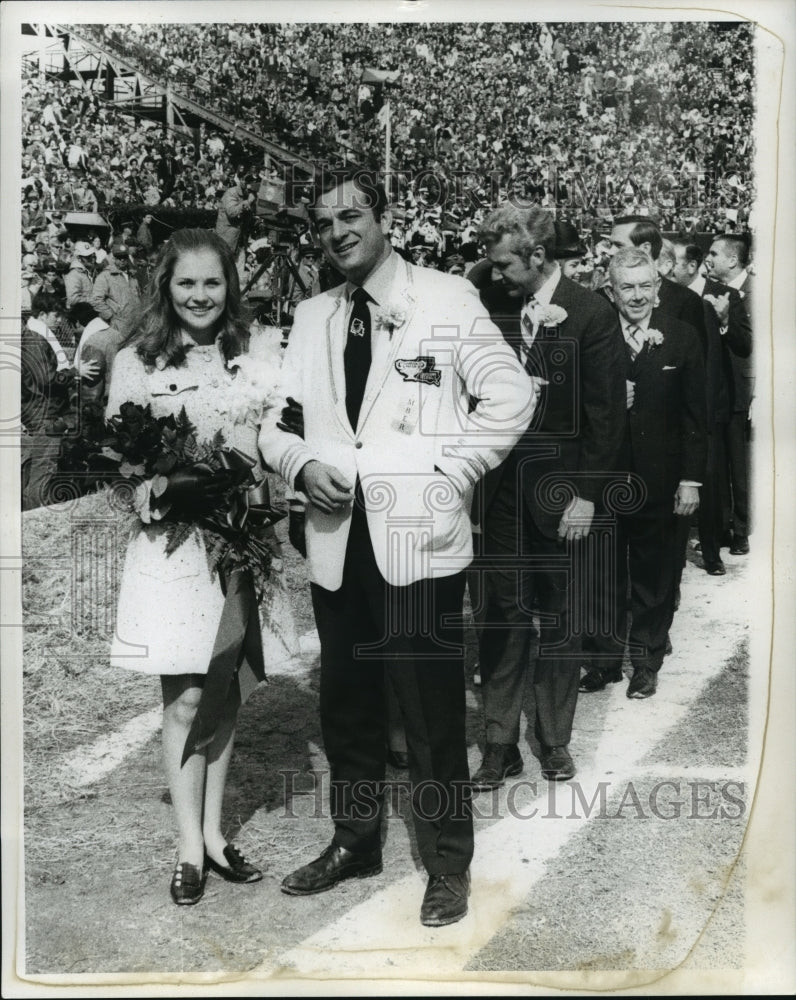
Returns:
(91, 762)
(382, 937)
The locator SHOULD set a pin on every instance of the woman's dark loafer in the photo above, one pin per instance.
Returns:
(187, 884)
(237, 868)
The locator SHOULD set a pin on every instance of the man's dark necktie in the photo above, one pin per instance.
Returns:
(356, 358)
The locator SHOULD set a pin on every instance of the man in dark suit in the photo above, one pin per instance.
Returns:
(674, 300)
(729, 338)
(664, 452)
(727, 262)
(49, 396)
(537, 507)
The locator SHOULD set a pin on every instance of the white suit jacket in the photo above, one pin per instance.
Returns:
(445, 401)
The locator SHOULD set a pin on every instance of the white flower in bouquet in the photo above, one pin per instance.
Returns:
(257, 375)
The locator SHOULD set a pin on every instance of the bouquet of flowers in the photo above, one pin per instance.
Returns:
(134, 447)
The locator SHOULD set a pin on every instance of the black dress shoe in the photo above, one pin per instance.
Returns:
(334, 865)
(739, 546)
(187, 884)
(237, 868)
(399, 759)
(557, 764)
(715, 568)
(501, 761)
(596, 679)
(445, 900)
(643, 683)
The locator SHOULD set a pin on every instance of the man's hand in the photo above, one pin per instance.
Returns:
(686, 500)
(631, 392)
(577, 518)
(721, 304)
(88, 369)
(292, 418)
(325, 486)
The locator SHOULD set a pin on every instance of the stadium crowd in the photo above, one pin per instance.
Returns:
(664, 111)
(664, 129)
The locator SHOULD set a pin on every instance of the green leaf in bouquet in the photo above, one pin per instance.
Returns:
(183, 424)
(177, 532)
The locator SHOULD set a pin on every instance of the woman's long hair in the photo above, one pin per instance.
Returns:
(159, 333)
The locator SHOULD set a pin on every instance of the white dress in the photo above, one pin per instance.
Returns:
(170, 606)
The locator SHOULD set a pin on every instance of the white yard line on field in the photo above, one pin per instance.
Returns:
(383, 938)
(91, 762)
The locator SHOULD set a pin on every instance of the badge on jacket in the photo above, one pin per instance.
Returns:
(420, 369)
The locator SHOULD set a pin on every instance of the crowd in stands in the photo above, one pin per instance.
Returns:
(662, 112)
(592, 120)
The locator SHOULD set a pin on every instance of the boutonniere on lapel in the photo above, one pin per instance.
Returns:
(654, 338)
(390, 318)
(551, 317)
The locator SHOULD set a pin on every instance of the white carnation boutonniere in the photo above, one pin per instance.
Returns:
(654, 338)
(552, 316)
(390, 318)
(257, 377)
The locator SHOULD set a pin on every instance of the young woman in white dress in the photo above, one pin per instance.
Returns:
(191, 349)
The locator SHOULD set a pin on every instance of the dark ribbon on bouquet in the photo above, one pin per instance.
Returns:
(237, 665)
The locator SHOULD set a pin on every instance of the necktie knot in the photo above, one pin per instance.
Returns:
(633, 340)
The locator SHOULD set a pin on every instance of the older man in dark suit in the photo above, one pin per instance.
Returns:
(673, 299)
(538, 506)
(664, 453)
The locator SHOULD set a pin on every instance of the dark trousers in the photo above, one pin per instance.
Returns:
(368, 627)
(649, 553)
(39, 465)
(711, 497)
(737, 438)
(541, 569)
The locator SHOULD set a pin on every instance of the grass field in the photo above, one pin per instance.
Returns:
(73, 554)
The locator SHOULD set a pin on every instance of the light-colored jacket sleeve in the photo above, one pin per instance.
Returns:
(233, 203)
(287, 453)
(502, 398)
(77, 286)
(99, 297)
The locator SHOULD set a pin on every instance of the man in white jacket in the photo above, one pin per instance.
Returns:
(409, 394)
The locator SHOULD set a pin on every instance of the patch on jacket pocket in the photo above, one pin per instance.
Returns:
(419, 369)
